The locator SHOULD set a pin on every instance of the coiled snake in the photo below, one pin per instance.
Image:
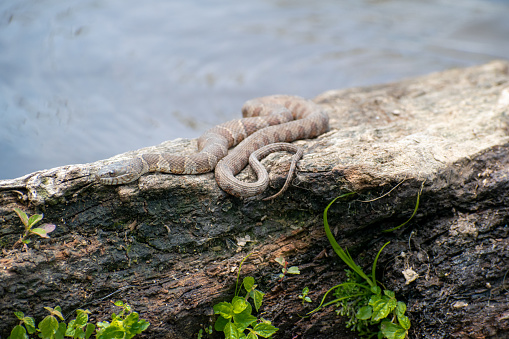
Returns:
(269, 124)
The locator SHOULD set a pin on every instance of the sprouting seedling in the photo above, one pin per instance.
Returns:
(29, 224)
(304, 296)
(290, 270)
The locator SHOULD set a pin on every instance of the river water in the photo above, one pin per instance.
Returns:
(82, 80)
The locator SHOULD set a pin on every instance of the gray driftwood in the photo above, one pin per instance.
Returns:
(170, 244)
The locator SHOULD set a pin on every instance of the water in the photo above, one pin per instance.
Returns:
(82, 80)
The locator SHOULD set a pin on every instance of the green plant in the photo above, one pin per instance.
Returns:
(125, 325)
(414, 212)
(304, 296)
(29, 223)
(236, 317)
(50, 328)
(362, 300)
(284, 271)
(208, 330)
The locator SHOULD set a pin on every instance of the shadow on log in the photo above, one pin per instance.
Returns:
(170, 245)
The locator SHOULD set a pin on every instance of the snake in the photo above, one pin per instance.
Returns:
(268, 125)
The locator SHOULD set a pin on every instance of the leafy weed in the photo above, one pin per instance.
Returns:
(125, 325)
(362, 301)
(235, 317)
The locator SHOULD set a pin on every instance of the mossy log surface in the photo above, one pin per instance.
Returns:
(170, 245)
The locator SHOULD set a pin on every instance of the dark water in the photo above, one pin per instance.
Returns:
(82, 80)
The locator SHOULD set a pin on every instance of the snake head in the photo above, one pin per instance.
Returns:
(121, 172)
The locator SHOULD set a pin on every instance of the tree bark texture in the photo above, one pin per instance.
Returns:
(170, 245)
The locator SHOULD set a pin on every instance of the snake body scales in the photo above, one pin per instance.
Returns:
(269, 124)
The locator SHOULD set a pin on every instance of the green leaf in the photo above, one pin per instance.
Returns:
(221, 323)
(390, 294)
(265, 321)
(257, 298)
(231, 331)
(374, 299)
(29, 324)
(244, 319)
(225, 309)
(280, 260)
(308, 299)
(392, 331)
(376, 290)
(40, 232)
(119, 303)
(143, 325)
(55, 311)
(81, 319)
(237, 287)
(248, 283)
(18, 332)
(22, 215)
(382, 306)
(75, 326)
(373, 268)
(404, 322)
(364, 313)
(305, 291)
(89, 330)
(293, 270)
(70, 329)
(34, 219)
(413, 214)
(103, 324)
(345, 256)
(131, 321)
(111, 332)
(60, 333)
(79, 333)
(48, 227)
(19, 315)
(48, 327)
(265, 330)
(239, 304)
(252, 335)
(133, 325)
(400, 308)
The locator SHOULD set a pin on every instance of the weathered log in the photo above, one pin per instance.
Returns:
(170, 244)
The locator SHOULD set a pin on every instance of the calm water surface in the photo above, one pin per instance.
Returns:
(82, 80)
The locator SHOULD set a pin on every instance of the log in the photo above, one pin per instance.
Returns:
(170, 245)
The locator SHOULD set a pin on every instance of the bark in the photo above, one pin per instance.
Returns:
(170, 245)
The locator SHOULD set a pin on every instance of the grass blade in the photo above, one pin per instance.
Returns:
(339, 251)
